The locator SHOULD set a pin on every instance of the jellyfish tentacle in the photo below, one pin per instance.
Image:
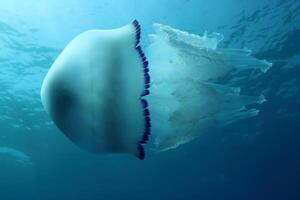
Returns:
(187, 97)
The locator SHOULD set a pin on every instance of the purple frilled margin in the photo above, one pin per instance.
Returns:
(147, 121)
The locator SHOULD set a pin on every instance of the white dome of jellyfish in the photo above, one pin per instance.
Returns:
(106, 96)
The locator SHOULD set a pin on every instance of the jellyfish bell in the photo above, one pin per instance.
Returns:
(94, 91)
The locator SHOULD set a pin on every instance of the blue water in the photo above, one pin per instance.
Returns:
(256, 158)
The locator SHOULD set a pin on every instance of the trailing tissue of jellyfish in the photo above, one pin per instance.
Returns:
(97, 91)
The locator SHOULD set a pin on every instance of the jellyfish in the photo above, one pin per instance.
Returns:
(97, 91)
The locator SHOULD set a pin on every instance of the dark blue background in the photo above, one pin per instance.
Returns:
(256, 158)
